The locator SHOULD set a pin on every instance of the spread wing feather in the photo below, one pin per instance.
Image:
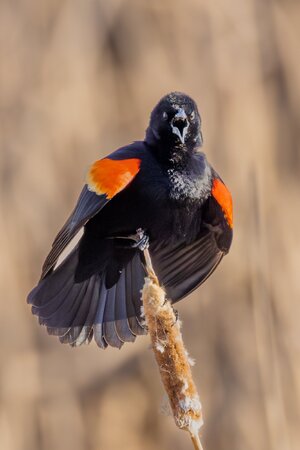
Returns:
(77, 312)
(87, 206)
(182, 267)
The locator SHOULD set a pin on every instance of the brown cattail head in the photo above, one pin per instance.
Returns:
(171, 355)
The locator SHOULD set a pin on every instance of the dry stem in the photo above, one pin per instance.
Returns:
(171, 356)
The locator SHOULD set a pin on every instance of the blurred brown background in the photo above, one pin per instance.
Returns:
(79, 78)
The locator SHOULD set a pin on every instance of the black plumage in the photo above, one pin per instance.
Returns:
(162, 185)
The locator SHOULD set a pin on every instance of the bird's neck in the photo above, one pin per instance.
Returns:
(175, 156)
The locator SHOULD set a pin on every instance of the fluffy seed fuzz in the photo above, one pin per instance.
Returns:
(171, 355)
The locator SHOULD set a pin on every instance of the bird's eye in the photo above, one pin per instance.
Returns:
(192, 116)
(165, 115)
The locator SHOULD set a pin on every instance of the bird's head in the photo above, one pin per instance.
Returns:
(175, 123)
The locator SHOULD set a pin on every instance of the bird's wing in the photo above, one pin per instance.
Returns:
(106, 178)
(182, 267)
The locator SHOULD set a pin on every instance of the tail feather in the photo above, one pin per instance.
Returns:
(98, 331)
(132, 321)
(54, 303)
(109, 328)
(137, 282)
(81, 316)
(86, 330)
(65, 315)
(59, 280)
(78, 311)
(122, 325)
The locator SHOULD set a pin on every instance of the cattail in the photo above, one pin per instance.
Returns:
(171, 356)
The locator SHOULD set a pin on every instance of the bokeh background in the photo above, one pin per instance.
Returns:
(78, 78)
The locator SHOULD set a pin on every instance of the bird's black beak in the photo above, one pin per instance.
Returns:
(180, 124)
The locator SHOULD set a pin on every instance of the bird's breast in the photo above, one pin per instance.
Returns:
(172, 209)
(188, 187)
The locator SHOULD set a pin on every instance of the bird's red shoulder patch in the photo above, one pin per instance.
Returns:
(109, 176)
(223, 197)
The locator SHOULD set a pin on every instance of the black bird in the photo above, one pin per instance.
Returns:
(160, 192)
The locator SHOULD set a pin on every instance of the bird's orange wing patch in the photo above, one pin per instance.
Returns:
(110, 176)
(223, 197)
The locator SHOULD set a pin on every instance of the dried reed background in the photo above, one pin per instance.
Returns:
(78, 78)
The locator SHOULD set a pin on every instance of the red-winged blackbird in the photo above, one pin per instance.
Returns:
(163, 186)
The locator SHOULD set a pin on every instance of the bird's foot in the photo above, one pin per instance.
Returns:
(141, 239)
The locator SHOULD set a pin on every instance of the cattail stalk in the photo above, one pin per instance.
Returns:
(171, 356)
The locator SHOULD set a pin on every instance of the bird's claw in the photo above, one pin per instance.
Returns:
(140, 240)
